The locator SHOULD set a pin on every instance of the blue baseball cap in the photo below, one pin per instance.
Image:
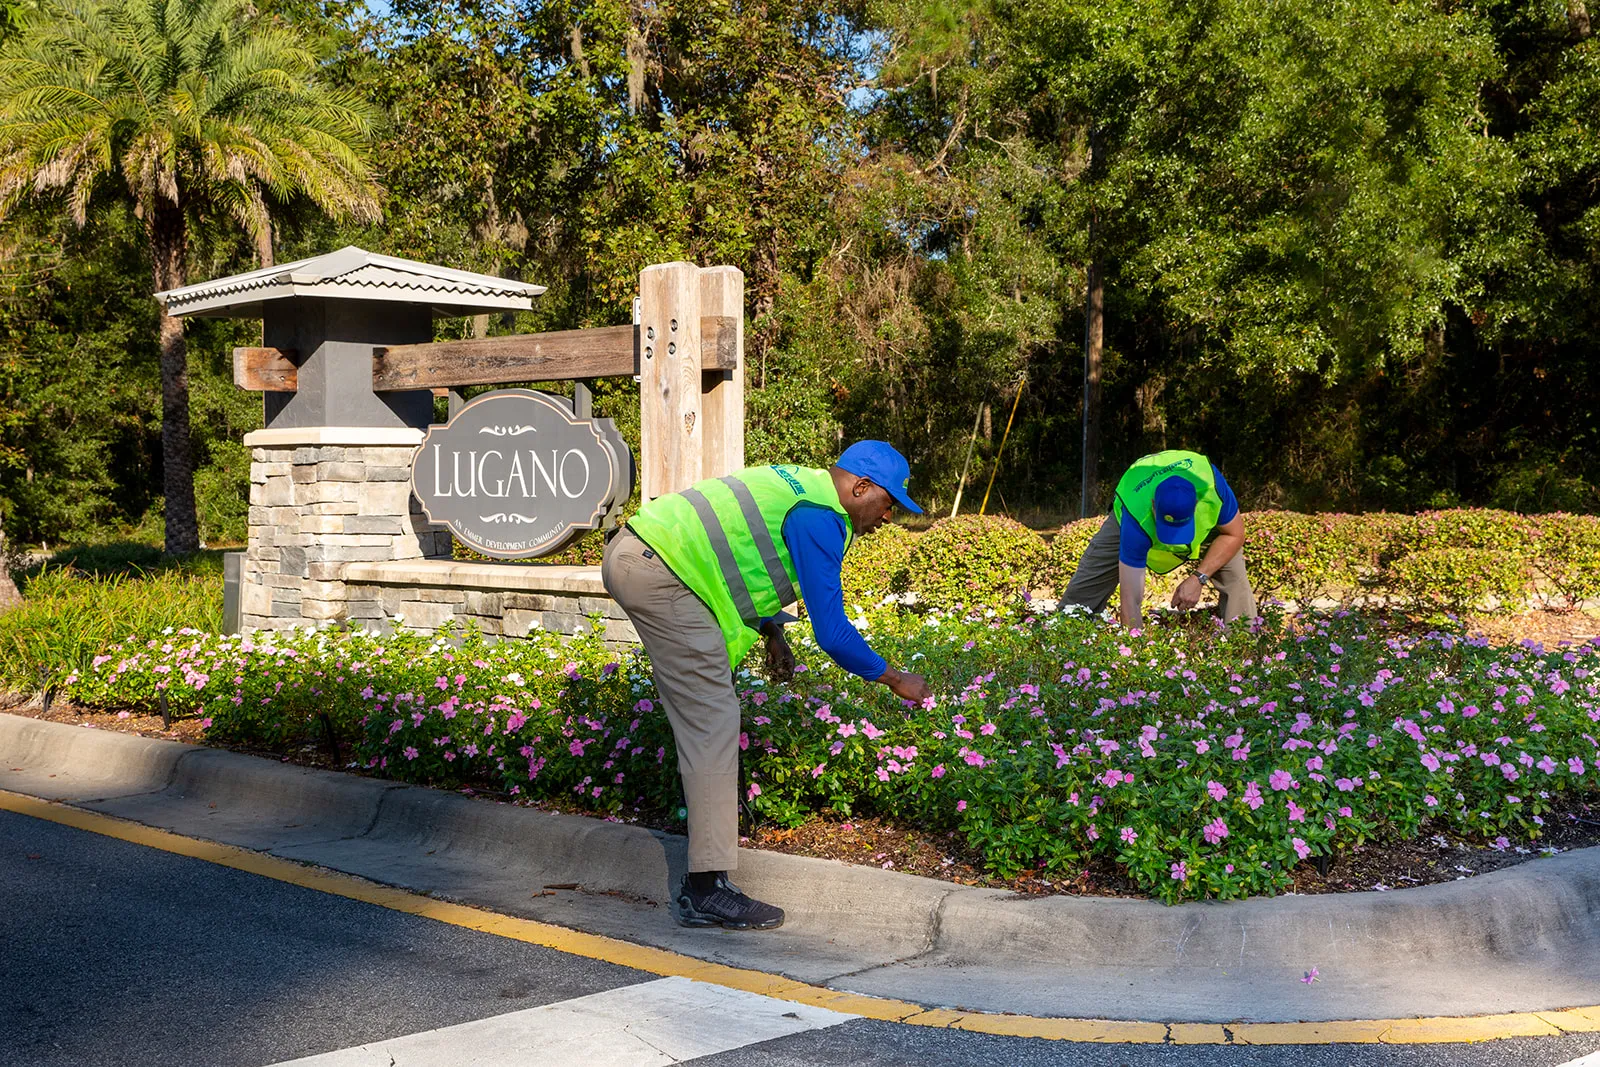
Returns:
(1174, 507)
(879, 463)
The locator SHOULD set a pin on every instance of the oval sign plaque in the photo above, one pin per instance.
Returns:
(516, 474)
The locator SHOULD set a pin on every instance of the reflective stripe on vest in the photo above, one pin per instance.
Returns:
(723, 538)
(1136, 493)
(731, 575)
(763, 537)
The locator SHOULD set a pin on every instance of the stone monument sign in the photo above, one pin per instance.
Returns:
(515, 473)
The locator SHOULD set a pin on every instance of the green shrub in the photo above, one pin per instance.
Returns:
(1296, 557)
(1065, 550)
(875, 566)
(1461, 579)
(975, 561)
(1568, 557)
(1485, 529)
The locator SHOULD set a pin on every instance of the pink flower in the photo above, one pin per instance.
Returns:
(1575, 765)
(1296, 812)
(986, 729)
(1280, 780)
(758, 698)
(1215, 831)
(1500, 844)
(1093, 832)
(1431, 800)
(409, 752)
(1301, 849)
(1217, 790)
(1179, 871)
(961, 805)
(937, 772)
(753, 792)
(847, 729)
(816, 772)
(1430, 761)
(1252, 795)
(1547, 765)
(1311, 975)
(1129, 835)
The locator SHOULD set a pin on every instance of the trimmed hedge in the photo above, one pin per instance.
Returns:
(975, 561)
(1455, 560)
(876, 566)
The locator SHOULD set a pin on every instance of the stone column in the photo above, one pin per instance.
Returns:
(320, 498)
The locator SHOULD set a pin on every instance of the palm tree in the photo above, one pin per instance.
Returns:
(199, 114)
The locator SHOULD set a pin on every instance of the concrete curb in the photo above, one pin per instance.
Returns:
(1522, 939)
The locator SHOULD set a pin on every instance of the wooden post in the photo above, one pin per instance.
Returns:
(671, 430)
(722, 391)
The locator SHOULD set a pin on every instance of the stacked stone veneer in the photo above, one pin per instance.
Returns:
(504, 600)
(336, 537)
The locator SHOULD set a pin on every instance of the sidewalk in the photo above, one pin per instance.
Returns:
(1518, 940)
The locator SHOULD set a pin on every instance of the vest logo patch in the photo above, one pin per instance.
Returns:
(793, 482)
(1185, 464)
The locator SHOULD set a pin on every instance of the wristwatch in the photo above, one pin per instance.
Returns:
(1205, 579)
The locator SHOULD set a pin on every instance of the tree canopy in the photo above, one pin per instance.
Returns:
(1349, 250)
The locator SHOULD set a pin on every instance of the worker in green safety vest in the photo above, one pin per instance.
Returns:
(703, 574)
(1171, 509)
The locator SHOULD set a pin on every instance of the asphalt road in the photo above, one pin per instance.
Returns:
(112, 954)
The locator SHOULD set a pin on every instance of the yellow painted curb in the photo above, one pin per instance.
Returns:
(667, 963)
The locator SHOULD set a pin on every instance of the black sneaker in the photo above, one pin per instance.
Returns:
(725, 906)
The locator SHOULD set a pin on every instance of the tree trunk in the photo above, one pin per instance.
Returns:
(1093, 345)
(9, 597)
(168, 243)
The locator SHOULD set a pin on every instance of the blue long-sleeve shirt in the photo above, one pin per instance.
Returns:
(816, 537)
(1134, 548)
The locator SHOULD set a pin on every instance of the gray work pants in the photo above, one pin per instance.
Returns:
(690, 661)
(1096, 577)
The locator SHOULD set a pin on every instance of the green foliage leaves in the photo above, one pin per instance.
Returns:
(975, 561)
(877, 566)
(1204, 763)
(190, 103)
(70, 614)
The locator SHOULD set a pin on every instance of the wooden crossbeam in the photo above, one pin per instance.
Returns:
(266, 370)
(603, 352)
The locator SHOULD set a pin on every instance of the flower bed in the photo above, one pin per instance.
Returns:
(1206, 762)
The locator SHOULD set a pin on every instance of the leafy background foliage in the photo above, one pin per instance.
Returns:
(1349, 249)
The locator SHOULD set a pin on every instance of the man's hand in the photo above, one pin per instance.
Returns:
(780, 658)
(912, 687)
(1187, 595)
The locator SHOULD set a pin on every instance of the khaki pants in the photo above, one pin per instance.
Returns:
(690, 661)
(1096, 577)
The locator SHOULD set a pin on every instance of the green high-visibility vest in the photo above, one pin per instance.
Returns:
(1136, 494)
(723, 538)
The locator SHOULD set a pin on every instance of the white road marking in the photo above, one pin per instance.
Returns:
(659, 1022)
(1591, 1060)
